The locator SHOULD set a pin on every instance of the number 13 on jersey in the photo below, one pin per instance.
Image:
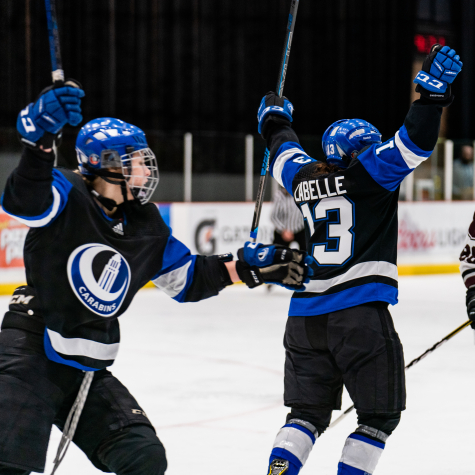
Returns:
(339, 230)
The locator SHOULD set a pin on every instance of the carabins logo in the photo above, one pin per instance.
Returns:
(263, 254)
(100, 278)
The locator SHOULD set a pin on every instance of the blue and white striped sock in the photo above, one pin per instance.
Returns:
(361, 454)
(293, 443)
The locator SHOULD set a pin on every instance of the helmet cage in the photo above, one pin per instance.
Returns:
(130, 170)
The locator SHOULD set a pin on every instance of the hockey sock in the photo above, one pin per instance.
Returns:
(362, 451)
(292, 447)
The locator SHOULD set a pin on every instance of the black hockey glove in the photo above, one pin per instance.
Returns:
(273, 109)
(24, 311)
(470, 301)
(273, 264)
(24, 300)
(439, 69)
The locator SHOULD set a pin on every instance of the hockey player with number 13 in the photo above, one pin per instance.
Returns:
(339, 331)
(94, 242)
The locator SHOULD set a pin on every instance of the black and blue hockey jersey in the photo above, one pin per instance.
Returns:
(351, 214)
(86, 267)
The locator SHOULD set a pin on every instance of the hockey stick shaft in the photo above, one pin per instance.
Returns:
(55, 52)
(412, 363)
(279, 90)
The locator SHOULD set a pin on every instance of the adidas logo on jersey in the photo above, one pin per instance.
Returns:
(119, 229)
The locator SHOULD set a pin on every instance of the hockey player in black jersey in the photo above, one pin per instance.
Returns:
(94, 242)
(339, 330)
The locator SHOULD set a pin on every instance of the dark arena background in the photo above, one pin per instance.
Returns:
(209, 375)
(201, 66)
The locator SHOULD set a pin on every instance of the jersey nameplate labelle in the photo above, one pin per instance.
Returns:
(100, 278)
(310, 190)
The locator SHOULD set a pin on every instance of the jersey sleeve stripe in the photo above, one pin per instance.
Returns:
(467, 270)
(410, 152)
(178, 267)
(46, 217)
(173, 282)
(363, 269)
(280, 161)
(82, 347)
(60, 190)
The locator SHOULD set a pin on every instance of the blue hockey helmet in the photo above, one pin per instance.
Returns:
(107, 143)
(345, 139)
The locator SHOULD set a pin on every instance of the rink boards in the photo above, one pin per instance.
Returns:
(431, 234)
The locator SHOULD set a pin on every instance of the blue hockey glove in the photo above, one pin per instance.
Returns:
(273, 264)
(273, 109)
(439, 69)
(40, 123)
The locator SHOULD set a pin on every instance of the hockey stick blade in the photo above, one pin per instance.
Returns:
(412, 363)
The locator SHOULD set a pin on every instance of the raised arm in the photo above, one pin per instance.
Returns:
(35, 194)
(390, 162)
(287, 156)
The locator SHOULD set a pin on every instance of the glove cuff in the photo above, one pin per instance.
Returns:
(47, 141)
(249, 275)
(438, 98)
(272, 121)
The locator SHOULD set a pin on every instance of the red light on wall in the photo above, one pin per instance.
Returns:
(424, 42)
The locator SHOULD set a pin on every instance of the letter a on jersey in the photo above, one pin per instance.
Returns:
(100, 278)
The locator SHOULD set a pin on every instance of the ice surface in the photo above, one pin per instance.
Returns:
(210, 377)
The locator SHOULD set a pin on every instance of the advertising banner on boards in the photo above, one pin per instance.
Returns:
(12, 240)
(433, 232)
(217, 228)
(429, 232)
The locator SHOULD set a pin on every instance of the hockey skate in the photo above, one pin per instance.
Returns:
(278, 467)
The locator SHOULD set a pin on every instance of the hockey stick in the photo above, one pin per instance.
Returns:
(279, 90)
(72, 420)
(55, 52)
(412, 363)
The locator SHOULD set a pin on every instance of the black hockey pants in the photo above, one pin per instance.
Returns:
(134, 450)
(35, 393)
(357, 347)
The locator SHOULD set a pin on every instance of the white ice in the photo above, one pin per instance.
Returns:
(210, 377)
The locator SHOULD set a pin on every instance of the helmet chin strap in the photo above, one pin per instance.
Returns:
(109, 203)
(106, 202)
(123, 188)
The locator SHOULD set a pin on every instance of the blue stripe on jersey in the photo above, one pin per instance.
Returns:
(302, 429)
(53, 356)
(279, 453)
(367, 440)
(373, 292)
(62, 184)
(344, 469)
(60, 189)
(177, 270)
(288, 160)
(164, 209)
(389, 163)
(404, 136)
